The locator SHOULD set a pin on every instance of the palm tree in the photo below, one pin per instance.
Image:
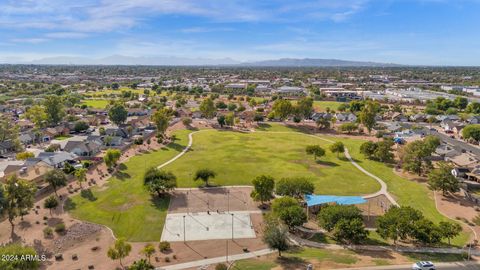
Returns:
(81, 175)
(204, 175)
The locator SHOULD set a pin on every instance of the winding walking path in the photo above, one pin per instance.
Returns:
(383, 186)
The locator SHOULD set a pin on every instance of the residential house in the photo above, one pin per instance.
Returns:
(26, 138)
(452, 117)
(54, 159)
(460, 172)
(346, 117)
(446, 151)
(419, 117)
(7, 147)
(117, 131)
(83, 148)
(463, 160)
(474, 119)
(290, 91)
(399, 117)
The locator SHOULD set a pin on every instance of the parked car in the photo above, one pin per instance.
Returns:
(423, 266)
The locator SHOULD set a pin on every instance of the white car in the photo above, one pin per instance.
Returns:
(423, 266)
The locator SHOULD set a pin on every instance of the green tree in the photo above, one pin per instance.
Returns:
(415, 157)
(330, 215)
(207, 107)
(54, 109)
(148, 251)
(293, 216)
(473, 107)
(187, 121)
(204, 175)
(111, 157)
(275, 235)
(80, 126)
(282, 109)
(24, 155)
(449, 230)
(230, 119)
(141, 264)
(294, 187)
(37, 115)
(18, 196)
(304, 107)
(367, 115)
(8, 130)
(398, 223)
(279, 204)
(117, 113)
(56, 178)
(471, 131)
(162, 118)
(350, 231)
(50, 203)
(426, 232)
(348, 127)
(158, 181)
(221, 120)
(315, 151)
(322, 123)
(17, 250)
(81, 175)
(263, 186)
(119, 250)
(442, 179)
(337, 147)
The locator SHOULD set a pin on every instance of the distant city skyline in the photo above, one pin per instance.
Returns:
(409, 32)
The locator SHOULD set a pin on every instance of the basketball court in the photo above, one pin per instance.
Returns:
(209, 214)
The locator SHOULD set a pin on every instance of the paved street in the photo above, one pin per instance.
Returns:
(439, 266)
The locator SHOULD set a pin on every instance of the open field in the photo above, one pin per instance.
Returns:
(124, 205)
(323, 105)
(127, 208)
(96, 103)
(238, 158)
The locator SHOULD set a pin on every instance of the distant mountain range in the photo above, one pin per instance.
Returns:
(181, 61)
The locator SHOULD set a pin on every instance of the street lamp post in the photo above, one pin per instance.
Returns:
(232, 226)
(184, 236)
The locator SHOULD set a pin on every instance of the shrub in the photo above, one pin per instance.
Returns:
(47, 232)
(60, 228)
(164, 246)
(221, 266)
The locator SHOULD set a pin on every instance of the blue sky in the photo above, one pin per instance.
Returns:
(426, 32)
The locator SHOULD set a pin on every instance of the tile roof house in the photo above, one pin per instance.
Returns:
(82, 148)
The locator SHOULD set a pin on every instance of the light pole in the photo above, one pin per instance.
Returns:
(232, 226)
(226, 254)
(184, 236)
(228, 201)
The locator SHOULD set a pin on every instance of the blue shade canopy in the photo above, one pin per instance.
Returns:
(313, 200)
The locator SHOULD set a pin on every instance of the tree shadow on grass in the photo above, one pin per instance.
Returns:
(347, 160)
(326, 163)
(175, 146)
(291, 262)
(88, 194)
(160, 203)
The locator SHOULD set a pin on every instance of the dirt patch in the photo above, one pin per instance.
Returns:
(77, 233)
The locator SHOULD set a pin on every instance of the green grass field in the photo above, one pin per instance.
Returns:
(96, 103)
(238, 158)
(322, 106)
(124, 205)
(128, 209)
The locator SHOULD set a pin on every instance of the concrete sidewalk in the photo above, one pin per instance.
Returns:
(216, 260)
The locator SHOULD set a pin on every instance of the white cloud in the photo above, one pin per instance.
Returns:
(68, 35)
(29, 40)
(112, 15)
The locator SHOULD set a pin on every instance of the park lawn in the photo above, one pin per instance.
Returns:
(96, 103)
(238, 158)
(322, 106)
(254, 264)
(124, 205)
(406, 192)
(337, 256)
